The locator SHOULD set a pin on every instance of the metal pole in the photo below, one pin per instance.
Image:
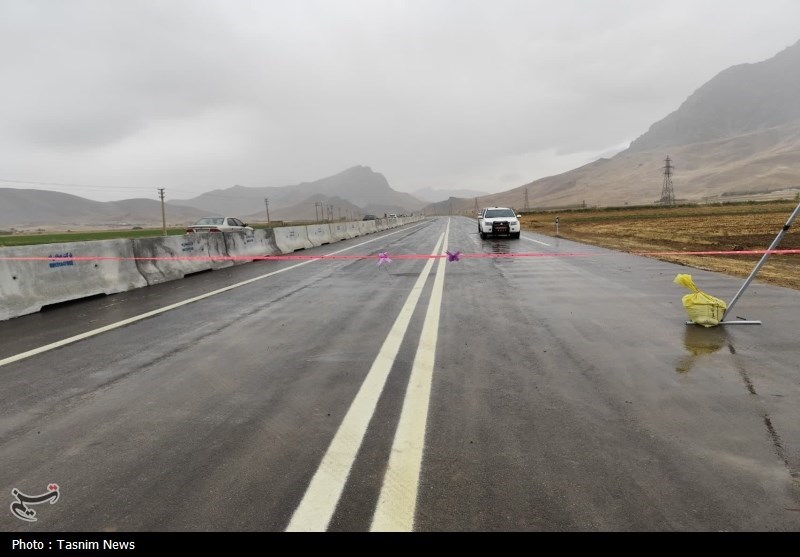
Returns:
(764, 257)
(556, 226)
(266, 202)
(163, 213)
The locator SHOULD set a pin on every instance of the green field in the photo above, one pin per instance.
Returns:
(7, 240)
(61, 237)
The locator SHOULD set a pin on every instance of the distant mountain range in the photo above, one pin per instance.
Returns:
(350, 194)
(24, 207)
(359, 187)
(736, 136)
(434, 195)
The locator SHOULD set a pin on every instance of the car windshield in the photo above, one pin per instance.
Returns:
(492, 213)
(211, 220)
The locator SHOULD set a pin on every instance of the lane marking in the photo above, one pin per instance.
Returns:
(397, 502)
(315, 510)
(532, 240)
(128, 321)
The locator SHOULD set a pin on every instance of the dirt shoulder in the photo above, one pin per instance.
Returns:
(731, 228)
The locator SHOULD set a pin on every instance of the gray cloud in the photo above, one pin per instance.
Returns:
(194, 95)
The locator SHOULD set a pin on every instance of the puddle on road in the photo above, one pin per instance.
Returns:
(701, 341)
(500, 247)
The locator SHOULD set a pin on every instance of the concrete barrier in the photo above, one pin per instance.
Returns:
(28, 285)
(240, 245)
(339, 231)
(319, 234)
(353, 230)
(292, 238)
(168, 258)
(367, 227)
(381, 224)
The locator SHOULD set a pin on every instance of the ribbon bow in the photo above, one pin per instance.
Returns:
(453, 256)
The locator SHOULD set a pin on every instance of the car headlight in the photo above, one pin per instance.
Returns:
(514, 223)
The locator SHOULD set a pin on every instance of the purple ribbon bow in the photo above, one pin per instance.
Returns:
(453, 256)
(383, 257)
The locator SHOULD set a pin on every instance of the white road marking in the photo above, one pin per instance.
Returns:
(118, 324)
(397, 502)
(532, 240)
(314, 512)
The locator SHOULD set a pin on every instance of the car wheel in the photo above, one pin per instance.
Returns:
(483, 236)
(515, 235)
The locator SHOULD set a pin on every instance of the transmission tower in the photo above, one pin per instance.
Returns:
(667, 195)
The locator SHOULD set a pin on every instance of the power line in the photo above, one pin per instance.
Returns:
(82, 186)
(95, 187)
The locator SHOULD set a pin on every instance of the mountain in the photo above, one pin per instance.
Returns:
(316, 207)
(435, 195)
(740, 100)
(351, 194)
(26, 207)
(359, 186)
(736, 136)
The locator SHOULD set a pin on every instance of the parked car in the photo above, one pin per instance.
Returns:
(370, 217)
(496, 221)
(219, 224)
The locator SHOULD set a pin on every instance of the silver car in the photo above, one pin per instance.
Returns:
(219, 224)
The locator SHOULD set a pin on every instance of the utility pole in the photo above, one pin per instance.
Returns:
(321, 213)
(266, 202)
(163, 213)
(667, 195)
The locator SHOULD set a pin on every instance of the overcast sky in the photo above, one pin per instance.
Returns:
(127, 96)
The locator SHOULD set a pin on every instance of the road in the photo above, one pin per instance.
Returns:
(557, 390)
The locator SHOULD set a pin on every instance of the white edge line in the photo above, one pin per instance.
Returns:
(128, 321)
(532, 240)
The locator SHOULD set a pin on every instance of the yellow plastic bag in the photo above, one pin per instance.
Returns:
(702, 308)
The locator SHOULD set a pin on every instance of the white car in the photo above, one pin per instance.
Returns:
(219, 224)
(496, 221)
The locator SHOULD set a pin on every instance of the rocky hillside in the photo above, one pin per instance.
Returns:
(736, 136)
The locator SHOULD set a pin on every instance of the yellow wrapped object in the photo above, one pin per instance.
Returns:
(702, 308)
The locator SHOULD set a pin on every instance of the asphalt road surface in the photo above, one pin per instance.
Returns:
(555, 391)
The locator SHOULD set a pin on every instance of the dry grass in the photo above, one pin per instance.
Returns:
(734, 228)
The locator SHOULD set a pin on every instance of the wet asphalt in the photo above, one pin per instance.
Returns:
(568, 394)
